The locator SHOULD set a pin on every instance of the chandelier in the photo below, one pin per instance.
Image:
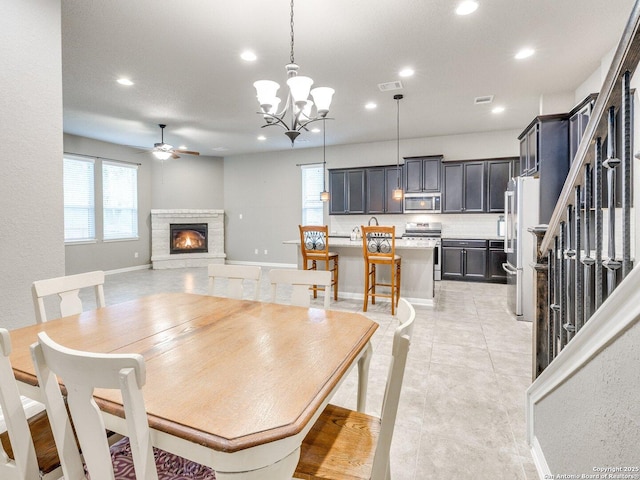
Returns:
(298, 110)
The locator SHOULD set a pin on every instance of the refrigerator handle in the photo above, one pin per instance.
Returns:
(509, 269)
(508, 230)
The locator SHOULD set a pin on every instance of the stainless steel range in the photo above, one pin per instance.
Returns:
(417, 231)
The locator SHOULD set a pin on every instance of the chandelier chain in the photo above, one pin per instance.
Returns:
(291, 57)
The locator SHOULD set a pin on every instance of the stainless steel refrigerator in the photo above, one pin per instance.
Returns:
(521, 203)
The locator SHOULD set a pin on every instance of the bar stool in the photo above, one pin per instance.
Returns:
(379, 248)
(314, 246)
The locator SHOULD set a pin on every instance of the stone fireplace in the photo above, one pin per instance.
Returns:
(186, 238)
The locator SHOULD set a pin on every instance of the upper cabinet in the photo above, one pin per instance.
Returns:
(464, 187)
(347, 191)
(422, 174)
(578, 119)
(499, 172)
(380, 183)
(544, 153)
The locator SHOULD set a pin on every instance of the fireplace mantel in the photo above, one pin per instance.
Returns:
(161, 258)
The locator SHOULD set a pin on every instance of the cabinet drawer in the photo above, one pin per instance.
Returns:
(464, 243)
(496, 244)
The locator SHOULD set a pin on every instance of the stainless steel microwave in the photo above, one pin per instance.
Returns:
(422, 203)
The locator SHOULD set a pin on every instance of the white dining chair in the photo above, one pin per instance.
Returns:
(27, 448)
(82, 372)
(345, 443)
(301, 282)
(67, 288)
(236, 276)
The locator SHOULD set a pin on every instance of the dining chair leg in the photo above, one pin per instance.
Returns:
(366, 287)
(373, 284)
(394, 288)
(335, 279)
(399, 281)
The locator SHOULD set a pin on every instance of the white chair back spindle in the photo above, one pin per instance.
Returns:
(236, 276)
(300, 281)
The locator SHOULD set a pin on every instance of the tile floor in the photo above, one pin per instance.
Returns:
(461, 414)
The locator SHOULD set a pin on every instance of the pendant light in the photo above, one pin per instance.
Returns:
(324, 195)
(397, 192)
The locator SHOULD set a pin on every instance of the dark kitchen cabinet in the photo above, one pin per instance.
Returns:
(422, 174)
(463, 187)
(464, 260)
(578, 120)
(380, 183)
(499, 172)
(544, 153)
(497, 257)
(347, 191)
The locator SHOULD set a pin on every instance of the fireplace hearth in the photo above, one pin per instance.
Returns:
(188, 238)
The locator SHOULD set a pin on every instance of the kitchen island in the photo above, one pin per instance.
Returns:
(417, 283)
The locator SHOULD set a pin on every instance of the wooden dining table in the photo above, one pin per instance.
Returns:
(232, 384)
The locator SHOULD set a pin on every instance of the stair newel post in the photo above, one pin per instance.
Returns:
(542, 326)
(627, 147)
(577, 239)
(587, 260)
(599, 230)
(611, 264)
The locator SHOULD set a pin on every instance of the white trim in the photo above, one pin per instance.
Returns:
(263, 264)
(539, 461)
(617, 314)
(128, 269)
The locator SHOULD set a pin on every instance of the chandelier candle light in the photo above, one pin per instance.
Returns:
(397, 193)
(298, 104)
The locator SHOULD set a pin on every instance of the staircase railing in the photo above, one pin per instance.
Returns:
(585, 252)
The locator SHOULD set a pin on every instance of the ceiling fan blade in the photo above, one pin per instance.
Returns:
(186, 152)
(174, 155)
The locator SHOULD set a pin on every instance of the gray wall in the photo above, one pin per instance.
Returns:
(593, 420)
(31, 213)
(265, 188)
(187, 182)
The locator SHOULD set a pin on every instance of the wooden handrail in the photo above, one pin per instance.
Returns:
(626, 58)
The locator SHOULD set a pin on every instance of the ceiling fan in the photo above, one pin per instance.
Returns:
(164, 151)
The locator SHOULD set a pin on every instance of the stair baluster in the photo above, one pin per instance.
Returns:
(588, 260)
(626, 174)
(599, 234)
(577, 263)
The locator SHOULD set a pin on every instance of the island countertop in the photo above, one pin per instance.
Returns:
(401, 243)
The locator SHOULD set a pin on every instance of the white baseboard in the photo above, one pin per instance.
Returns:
(263, 264)
(128, 269)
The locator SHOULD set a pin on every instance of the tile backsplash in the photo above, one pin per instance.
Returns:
(455, 225)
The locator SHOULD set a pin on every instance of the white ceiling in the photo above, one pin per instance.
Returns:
(184, 57)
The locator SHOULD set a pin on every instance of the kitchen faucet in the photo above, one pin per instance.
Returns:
(373, 218)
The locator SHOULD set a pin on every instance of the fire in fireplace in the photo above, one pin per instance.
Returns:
(188, 238)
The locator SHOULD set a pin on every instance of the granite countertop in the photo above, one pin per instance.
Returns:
(458, 236)
(400, 243)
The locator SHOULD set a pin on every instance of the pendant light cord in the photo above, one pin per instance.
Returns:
(291, 57)
(324, 154)
(398, 142)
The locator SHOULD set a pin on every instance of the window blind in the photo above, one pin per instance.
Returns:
(312, 185)
(79, 199)
(119, 200)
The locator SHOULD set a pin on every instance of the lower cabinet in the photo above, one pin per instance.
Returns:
(473, 260)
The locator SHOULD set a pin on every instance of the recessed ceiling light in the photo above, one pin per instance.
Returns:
(125, 81)
(220, 149)
(316, 130)
(262, 138)
(370, 106)
(524, 53)
(182, 147)
(248, 56)
(466, 7)
(497, 110)
(406, 72)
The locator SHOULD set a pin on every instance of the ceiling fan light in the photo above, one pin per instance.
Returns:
(162, 154)
(322, 96)
(300, 87)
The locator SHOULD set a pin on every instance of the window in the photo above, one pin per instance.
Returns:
(312, 185)
(79, 200)
(119, 200)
